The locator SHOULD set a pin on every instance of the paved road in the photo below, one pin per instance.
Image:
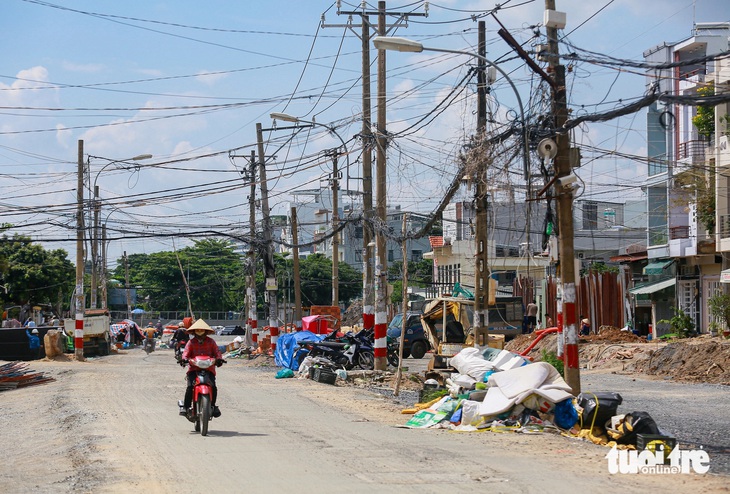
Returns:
(111, 425)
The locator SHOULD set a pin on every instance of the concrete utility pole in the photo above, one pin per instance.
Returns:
(252, 319)
(95, 249)
(126, 285)
(481, 261)
(79, 326)
(381, 268)
(368, 316)
(103, 267)
(567, 319)
(335, 234)
(297, 281)
(269, 268)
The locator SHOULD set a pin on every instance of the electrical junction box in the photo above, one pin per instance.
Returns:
(553, 18)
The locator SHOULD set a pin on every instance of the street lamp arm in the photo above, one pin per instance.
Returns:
(291, 118)
(407, 45)
(139, 157)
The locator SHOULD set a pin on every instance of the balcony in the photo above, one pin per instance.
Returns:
(680, 243)
(692, 151)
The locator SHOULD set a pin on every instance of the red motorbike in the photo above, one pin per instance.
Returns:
(201, 411)
(179, 347)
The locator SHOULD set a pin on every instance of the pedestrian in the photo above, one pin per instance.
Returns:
(531, 316)
(34, 343)
(29, 323)
(585, 326)
(549, 321)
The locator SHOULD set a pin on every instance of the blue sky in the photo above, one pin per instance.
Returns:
(186, 81)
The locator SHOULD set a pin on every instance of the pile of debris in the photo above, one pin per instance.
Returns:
(16, 375)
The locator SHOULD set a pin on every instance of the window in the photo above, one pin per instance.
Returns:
(590, 216)
(416, 255)
(391, 256)
(358, 232)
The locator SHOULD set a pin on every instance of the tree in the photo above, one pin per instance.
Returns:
(315, 273)
(29, 274)
(704, 120)
(214, 272)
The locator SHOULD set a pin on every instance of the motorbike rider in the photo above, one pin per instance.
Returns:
(180, 336)
(201, 345)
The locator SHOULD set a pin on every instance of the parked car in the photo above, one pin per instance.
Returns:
(415, 343)
(232, 330)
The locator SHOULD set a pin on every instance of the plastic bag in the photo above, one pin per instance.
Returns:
(598, 408)
(633, 424)
(284, 373)
(565, 414)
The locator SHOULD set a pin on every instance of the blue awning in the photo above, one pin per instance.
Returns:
(657, 267)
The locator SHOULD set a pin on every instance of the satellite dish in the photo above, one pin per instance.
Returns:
(547, 149)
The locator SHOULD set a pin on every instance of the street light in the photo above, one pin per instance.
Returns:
(335, 192)
(95, 233)
(396, 43)
(481, 298)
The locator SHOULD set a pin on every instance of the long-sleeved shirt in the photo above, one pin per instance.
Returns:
(207, 348)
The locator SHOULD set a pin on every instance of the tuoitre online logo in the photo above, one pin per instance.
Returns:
(655, 462)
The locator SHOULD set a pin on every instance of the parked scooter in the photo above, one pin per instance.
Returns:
(201, 411)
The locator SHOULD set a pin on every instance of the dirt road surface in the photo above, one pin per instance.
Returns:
(110, 425)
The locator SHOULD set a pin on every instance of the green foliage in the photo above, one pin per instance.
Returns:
(704, 121)
(700, 189)
(681, 324)
(719, 307)
(213, 269)
(32, 275)
(553, 359)
(315, 274)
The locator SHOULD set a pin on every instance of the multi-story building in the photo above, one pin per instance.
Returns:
(314, 218)
(679, 158)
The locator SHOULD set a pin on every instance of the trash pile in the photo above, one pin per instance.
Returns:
(15, 375)
(501, 391)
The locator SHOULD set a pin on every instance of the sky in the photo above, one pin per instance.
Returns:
(187, 81)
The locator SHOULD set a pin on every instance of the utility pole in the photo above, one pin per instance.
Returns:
(79, 326)
(566, 316)
(95, 250)
(103, 267)
(126, 285)
(269, 268)
(335, 234)
(481, 261)
(381, 268)
(297, 281)
(368, 316)
(252, 319)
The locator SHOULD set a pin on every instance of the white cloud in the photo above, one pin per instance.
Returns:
(85, 67)
(209, 78)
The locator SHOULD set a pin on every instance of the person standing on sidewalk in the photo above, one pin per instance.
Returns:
(531, 316)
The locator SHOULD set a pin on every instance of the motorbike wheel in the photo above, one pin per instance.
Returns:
(204, 414)
(393, 358)
(366, 360)
(197, 423)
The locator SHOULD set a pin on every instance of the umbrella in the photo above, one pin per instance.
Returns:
(138, 311)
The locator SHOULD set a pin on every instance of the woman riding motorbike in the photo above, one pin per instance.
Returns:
(200, 345)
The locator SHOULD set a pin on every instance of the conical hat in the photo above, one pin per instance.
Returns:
(200, 324)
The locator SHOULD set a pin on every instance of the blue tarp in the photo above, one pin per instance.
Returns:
(287, 346)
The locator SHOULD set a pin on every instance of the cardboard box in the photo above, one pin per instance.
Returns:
(496, 341)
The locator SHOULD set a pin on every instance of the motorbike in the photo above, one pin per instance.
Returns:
(149, 345)
(354, 350)
(179, 347)
(201, 410)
